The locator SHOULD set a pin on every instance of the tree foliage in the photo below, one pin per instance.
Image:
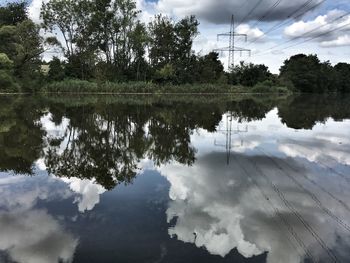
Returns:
(308, 74)
(250, 74)
(13, 13)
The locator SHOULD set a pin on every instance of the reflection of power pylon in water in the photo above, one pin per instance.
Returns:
(228, 145)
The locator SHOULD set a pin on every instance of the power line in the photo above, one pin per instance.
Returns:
(275, 5)
(308, 32)
(249, 13)
(321, 35)
(294, 15)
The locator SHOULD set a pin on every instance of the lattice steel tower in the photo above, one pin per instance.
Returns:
(231, 49)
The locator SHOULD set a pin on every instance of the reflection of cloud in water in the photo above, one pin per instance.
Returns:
(220, 208)
(322, 148)
(35, 237)
(27, 234)
(89, 192)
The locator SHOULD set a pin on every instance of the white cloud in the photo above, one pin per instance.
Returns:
(340, 41)
(252, 33)
(322, 25)
(34, 10)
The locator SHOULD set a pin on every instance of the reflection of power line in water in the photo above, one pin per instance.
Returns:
(316, 185)
(308, 227)
(228, 132)
(280, 215)
(310, 194)
(325, 165)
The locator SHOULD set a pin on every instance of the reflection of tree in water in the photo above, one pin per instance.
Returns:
(106, 140)
(305, 111)
(251, 109)
(107, 143)
(20, 134)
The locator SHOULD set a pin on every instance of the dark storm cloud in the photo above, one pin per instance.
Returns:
(219, 12)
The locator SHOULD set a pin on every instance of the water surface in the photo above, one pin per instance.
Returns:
(175, 179)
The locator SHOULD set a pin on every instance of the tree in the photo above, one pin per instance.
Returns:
(210, 68)
(308, 74)
(21, 42)
(13, 13)
(185, 32)
(162, 39)
(71, 18)
(250, 74)
(29, 49)
(56, 70)
(139, 40)
(106, 33)
(7, 82)
(342, 71)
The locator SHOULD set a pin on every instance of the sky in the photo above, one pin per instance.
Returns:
(257, 18)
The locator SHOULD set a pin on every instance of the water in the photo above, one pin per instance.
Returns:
(175, 179)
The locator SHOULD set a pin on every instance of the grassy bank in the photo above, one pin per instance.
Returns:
(80, 86)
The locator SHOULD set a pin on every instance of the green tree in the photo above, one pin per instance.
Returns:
(307, 73)
(71, 18)
(185, 32)
(56, 70)
(139, 40)
(250, 74)
(342, 71)
(21, 42)
(162, 39)
(210, 68)
(7, 82)
(13, 13)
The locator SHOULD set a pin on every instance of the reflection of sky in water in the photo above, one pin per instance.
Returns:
(283, 195)
(284, 191)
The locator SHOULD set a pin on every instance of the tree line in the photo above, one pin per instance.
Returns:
(104, 40)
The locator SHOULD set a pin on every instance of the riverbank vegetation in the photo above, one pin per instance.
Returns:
(106, 48)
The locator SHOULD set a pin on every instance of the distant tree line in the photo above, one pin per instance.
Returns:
(103, 40)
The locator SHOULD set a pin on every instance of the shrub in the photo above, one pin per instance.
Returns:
(7, 83)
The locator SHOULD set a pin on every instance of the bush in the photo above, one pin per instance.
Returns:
(5, 62)
(7, 83)
(268, 86)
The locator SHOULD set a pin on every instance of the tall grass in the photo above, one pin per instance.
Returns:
(81, 86)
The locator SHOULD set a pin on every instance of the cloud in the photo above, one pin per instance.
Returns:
(252, 33)
(34, 10)
(322, 25)
(340, 41)
(219, 12)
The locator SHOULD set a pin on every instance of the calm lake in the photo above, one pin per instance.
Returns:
(175, 179)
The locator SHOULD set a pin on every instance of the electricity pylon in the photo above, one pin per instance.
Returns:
(231, 49)
(229, 131)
